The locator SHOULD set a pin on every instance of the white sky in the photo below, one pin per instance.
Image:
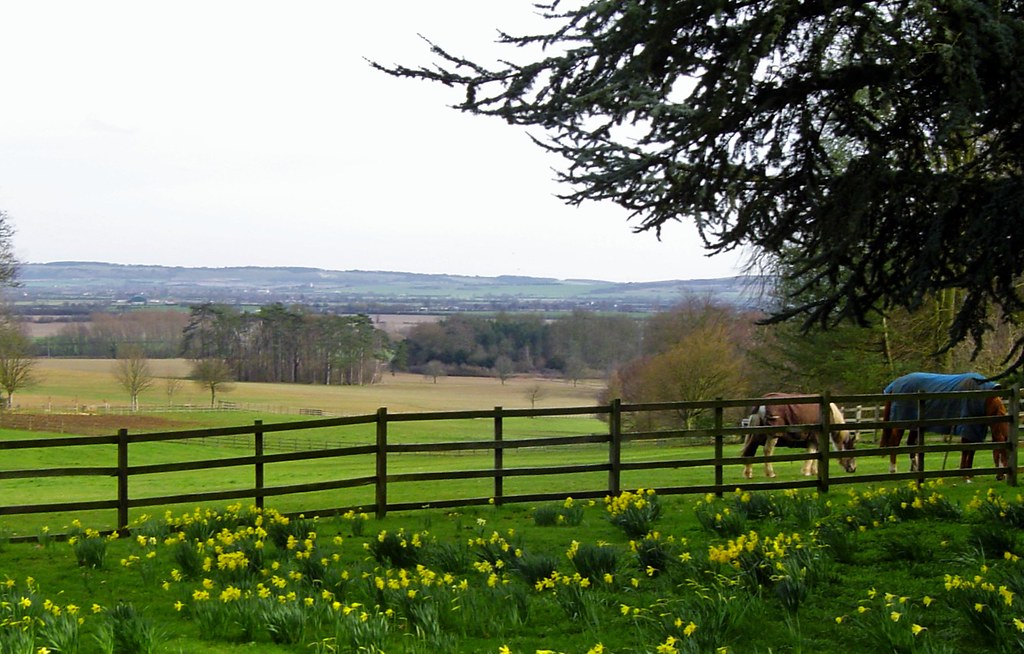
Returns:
(228, 133)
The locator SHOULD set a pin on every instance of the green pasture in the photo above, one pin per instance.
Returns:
(43, 490)
(881, 585)
(885, 575)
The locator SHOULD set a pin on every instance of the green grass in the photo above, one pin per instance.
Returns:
(44, 490)
(634, 613)
(881, 543)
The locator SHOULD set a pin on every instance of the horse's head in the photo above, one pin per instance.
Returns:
(994, 406)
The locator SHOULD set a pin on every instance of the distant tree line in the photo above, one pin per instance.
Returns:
(699, 350)
(287, 344)
(155, 333)
(577, 345)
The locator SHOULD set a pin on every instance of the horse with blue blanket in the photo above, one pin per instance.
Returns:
(944, 408)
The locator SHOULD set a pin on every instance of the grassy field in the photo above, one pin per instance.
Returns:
(865, 568)
(65, 379)
(894, 569)
(90, 388)
(91, 385)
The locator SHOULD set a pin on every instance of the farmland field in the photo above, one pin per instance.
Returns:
(89, 385)
(75, 396)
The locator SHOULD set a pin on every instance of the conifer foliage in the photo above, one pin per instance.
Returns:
(872, 151)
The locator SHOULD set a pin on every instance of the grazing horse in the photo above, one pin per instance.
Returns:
(783, 415)
(938, 409)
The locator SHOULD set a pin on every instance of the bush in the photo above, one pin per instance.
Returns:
(634, 513)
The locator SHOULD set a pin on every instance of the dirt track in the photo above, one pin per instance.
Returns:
(89, 424)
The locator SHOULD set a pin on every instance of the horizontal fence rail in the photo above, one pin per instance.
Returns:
(627, 428)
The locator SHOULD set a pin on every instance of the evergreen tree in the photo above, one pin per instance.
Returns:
(728, 114)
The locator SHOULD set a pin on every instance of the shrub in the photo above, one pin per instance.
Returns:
(396, 549)
(127, 631)
(594, 561)
(635, 513)
(89, 546)
(534, 567)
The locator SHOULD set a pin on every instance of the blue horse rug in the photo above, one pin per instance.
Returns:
(926, 382)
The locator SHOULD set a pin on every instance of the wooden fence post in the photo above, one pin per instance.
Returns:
(824, 441)
(499, 457)
(615, 448)
(258, 437)
(122, 478)
(719, 449)
(1014, 439)
(382, 463)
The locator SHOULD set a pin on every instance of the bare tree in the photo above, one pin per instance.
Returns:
(534, 393)
(503, 368)
(171, 386)
(434, 369)
(133, 373)
(213, 375)
(16, 364)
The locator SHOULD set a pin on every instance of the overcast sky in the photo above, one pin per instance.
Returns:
(254, 133)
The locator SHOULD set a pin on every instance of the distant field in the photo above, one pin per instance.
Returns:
(395, 324)
(89, 385)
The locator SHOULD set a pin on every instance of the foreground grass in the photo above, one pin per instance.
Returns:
(899, 569)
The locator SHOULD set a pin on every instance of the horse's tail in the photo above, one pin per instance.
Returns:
(753, 441)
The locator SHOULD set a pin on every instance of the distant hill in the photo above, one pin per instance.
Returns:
(96, 284)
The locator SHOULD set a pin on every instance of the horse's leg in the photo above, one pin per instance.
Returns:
(769, 450)
(1001, 458)
(749, 449)
(891, 437)
(967, 460)
(994, 406)
(748, 468)
(810, 468)
(916, 458)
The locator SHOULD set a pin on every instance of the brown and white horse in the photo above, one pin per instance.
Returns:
(785, 414)
(944, 408)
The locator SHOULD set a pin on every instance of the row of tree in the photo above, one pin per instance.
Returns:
(288, 344)
(156, 333)
(698, 351)
(581, 344)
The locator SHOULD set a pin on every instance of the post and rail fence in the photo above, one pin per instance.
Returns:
(622, 435)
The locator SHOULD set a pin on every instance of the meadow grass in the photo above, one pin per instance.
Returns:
(42, 490)
(774, 585)
(865, 568)
(90, 384)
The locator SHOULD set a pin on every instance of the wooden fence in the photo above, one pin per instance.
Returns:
(615, 439)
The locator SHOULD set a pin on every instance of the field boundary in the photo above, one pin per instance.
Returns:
(621, 420)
